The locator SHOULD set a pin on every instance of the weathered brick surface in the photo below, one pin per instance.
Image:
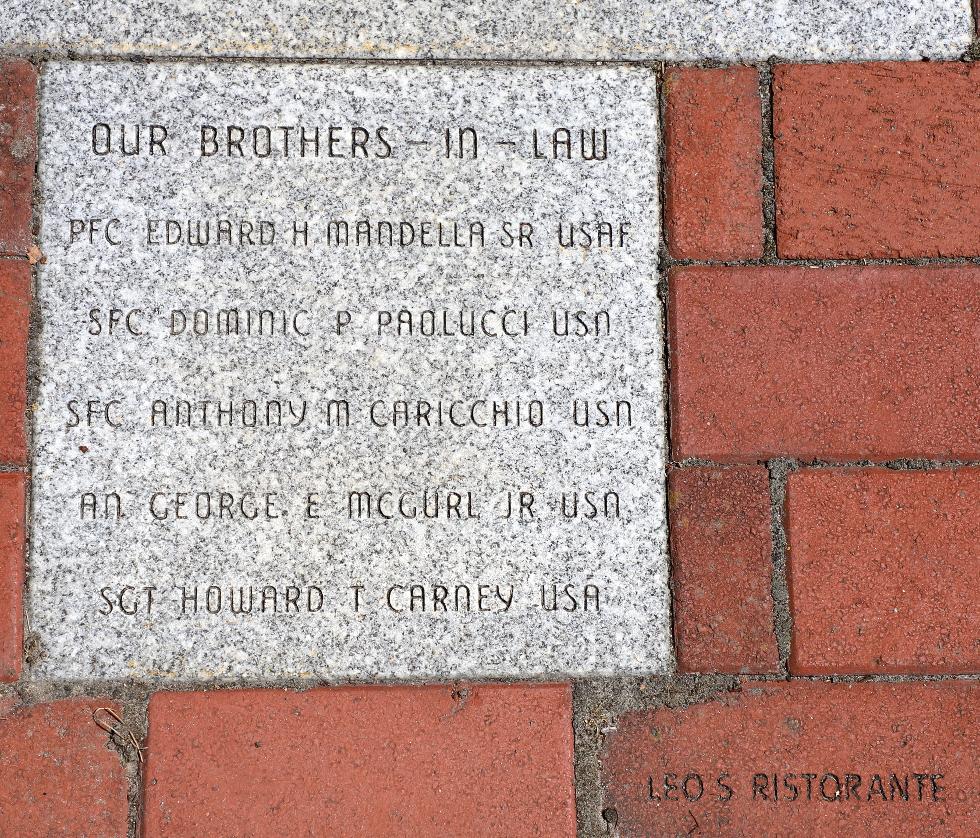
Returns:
(58, 774)
(849, 738)
(884, 571)
(721, 546)
(15, 303)
(713, 139)
(18, 153)
(419, 761)
(845, 363)
(877, 160)
(12, 521)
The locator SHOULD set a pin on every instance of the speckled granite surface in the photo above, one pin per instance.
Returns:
(672, 30)
(229, 448)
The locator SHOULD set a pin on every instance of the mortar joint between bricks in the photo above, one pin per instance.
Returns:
(13, 468)
(779, 470)
(862, 262)
(766, 97)
(136, 720)
(663, 293)
(41, 56)
(32, 648)
(894, 678)
(902, 464)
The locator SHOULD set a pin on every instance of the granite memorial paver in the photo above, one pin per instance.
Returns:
(348, 372)
(670, 30)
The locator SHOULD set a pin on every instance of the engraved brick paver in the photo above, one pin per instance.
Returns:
(12, 512)
(844, 363)
(877, 160)
(721, 545)
(884, 571)
(18, 154)
(713, 142)
(420, 761)
(802, 759)
(58, 774)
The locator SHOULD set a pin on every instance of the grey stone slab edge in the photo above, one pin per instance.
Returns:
(669, 30)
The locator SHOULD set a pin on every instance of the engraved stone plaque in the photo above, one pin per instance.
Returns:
(349, 373)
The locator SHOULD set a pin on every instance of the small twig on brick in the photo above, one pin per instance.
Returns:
(123, 734)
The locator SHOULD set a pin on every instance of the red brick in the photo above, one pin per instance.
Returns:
(713, 136)
(721, 563)
(884, 571)
(877, 160)
(18, 153)
(845, 363)
(12, 521)
(15, 308)
(820, 728)
(420, 761)
(58, 775)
